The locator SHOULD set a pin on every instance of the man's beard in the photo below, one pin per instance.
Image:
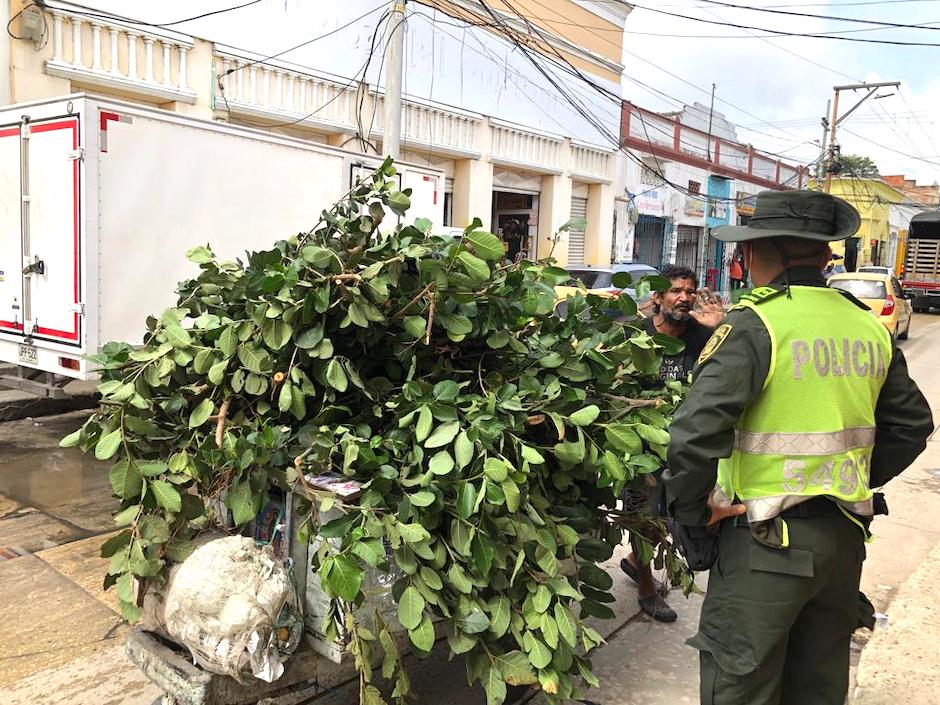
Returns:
(677, 314)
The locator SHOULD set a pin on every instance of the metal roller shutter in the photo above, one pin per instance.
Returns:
(576, 237)
(687, 246)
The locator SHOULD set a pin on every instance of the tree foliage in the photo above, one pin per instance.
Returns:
(858, 166)
(492, 437)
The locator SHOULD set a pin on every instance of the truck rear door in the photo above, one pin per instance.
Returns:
(39, 215)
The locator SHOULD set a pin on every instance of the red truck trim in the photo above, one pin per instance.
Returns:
(920, 285)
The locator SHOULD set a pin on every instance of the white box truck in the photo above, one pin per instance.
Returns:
(100, 200)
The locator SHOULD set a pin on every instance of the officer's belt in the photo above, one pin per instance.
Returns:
(812, 508)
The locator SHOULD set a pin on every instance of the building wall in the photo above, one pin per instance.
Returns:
(487, 110)
(872, 198)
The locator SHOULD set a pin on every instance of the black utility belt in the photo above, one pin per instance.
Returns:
(812, 508)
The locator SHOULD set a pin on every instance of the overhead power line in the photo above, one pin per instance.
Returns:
(783, 33)
(836, 18)
(160, 25)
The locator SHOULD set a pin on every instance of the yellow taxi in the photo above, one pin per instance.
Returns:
(882, 293)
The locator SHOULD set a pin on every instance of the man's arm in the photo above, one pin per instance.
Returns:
(903, 422)
(703, 429)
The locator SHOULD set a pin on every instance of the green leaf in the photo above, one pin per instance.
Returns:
(166, 495)
(398, 202)
(256, 384)
(228, 341)
(126, 480)
(567, 625)
(152, 468)
(422, 636)
(539, 654)
(276, 333)
(410, 608)
(594, 550)
(108, 444)
(463, 450)
(516, 668)
(415, 326)
(345, 578)
(425, 421)
(498, 339)
(549, 631)
(466, 499)
(336, 376)
(485, 245)
(286, 396)
(372, 696)
(413, 533)
(475, 622)
(495, 469)
(116, 543)
(154, 529)
(217, 372)
(653, 434)
(511, 492)
(310, 337)
(500, 613)
(459, 642)
(199, 255)
(596, 609)
(476, 268)
(424, 498)
(178, 550)
(244, 502)
(541, 598)
(585, 416)
(253, 358)
(441, 463)
(176, 335)
(372, 551)
(458, 325)
(319, 257)
(457, 577)
(201, 413)
(531, 455)
(595, 577)
(443, 434)
(623, 438)
(494, 686)
(71, 440)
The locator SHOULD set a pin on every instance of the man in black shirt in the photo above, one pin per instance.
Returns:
(691, 315)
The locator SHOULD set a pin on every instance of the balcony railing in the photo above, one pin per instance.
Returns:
(591, 163)
(280, 92)
(445, 131)
(514, 146)
(119, 56)
(666, 137)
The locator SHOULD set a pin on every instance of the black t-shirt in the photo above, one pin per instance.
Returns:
(680, 366)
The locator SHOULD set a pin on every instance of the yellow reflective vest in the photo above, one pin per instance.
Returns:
(811, 430)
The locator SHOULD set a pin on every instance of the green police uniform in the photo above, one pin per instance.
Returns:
(808, 406)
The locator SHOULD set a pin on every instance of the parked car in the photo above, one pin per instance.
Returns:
(836, 265)
(876, 269)
(882, 293)
(599, 280)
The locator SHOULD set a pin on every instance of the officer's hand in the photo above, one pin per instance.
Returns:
(723, 512)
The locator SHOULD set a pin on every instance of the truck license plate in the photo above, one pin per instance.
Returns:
(29, 355)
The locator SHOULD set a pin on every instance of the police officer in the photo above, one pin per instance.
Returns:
(807, 404)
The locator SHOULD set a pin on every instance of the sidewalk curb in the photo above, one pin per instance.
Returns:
(901, 661)
(29, 406)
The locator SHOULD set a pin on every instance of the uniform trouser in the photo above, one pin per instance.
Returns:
(776, 624)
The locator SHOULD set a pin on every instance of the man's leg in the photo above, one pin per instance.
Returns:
(651, 601)
(760, 687)
(816, 671)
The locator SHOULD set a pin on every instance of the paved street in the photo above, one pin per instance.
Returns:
(60, 637)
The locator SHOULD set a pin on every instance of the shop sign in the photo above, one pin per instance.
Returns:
(694, 206)
(719, 210)
(650, 203)
(746, 202)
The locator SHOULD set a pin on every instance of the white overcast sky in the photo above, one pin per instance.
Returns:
(774, 89)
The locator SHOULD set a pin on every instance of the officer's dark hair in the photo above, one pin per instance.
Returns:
(675, 271)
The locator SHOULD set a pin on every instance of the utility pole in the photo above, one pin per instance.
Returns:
(711, 113)
(394, 51)
(822, 150)
(835, 120)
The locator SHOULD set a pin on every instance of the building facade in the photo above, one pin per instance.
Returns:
(680, 181)
(874, 199)
(517, 154)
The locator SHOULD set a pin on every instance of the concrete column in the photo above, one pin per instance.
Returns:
(473, 192)
(554, 211)
(598, 237)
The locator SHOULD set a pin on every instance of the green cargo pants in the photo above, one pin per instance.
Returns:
(776, 623)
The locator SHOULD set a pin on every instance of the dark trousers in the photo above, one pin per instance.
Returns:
(776, 624)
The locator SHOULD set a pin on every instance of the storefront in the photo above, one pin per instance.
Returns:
(516, 211)
(713, 273)
(689, 233)
(649, 232)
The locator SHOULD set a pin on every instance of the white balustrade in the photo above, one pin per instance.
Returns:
(516, 146)
(92, 66)
(591, 162)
